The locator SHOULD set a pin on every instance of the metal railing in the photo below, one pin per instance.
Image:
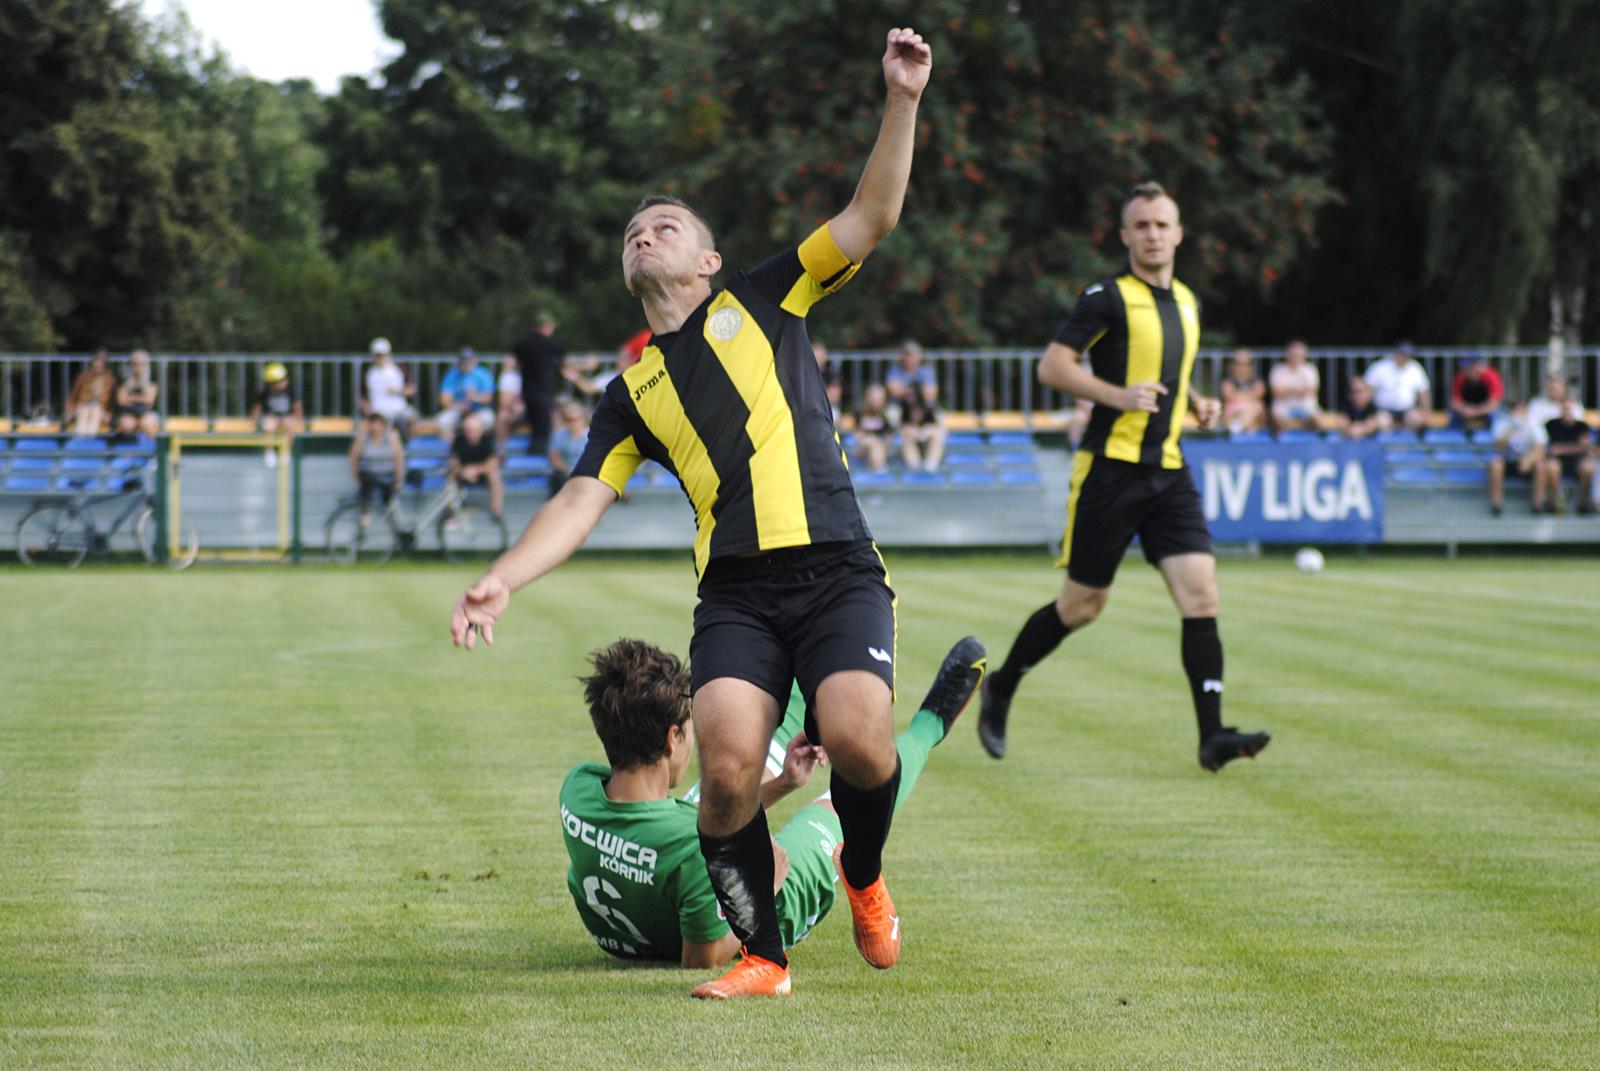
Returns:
(36, 386)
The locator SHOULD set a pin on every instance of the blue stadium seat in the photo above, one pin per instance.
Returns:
(1020, 478)
(1397, 436)
(1483, 437)
(1299, 435)
(1477, 477)
(1406, 457)
(86, 445)
(868, 478)
(1445, 437)
(427, 446)
(1460, 457)
(972, 478)
(1009, 438)
(1249, 437)
(27, 483)
(142, 445)
(127, 463)
(432, 483)
(88, 484)
(82, 464)
(965, 461)
(918, 478)
(523, 464)
(1413, 477)
(36, 445)
(1012, 459)
(33, 464)
(527, 483)
(963, 438)
(516, 444)
(662, 478)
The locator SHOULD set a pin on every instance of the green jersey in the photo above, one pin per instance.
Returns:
(637, 874)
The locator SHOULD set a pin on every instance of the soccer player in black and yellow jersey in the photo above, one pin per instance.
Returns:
(1141, 330)
(728, 398)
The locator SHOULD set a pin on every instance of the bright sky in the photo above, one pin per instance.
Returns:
(322, 40)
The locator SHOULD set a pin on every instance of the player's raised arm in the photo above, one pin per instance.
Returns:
(558, 529)
(875, 208)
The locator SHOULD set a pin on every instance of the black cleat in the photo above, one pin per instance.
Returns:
(992, 722)
(1227, 744)
(957, 679)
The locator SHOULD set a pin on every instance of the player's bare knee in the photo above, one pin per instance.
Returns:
(1079, 608)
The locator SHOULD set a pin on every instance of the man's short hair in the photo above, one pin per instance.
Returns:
(666, 199)
(1146, 191)
(636, 695)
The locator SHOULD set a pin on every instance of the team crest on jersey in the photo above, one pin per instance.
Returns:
(724, 324)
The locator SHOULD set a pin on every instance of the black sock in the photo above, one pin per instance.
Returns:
(864, 816)
(1042, 634)
(741, 870)
(1202, 660)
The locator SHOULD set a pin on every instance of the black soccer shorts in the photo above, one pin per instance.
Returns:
(1111, 501)
(799, 614)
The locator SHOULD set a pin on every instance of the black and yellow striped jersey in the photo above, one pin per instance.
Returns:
(733, 405)
(1137, 333)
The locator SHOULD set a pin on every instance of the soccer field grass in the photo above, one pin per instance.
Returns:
(270, 818)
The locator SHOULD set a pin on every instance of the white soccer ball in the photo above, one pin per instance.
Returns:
(1309, 560)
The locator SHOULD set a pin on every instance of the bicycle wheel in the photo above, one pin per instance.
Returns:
(468, 532)
(52, 534)
(188, 548)
(348, 541)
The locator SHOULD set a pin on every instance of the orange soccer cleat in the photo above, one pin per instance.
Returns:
(751, 976)
(876, 924)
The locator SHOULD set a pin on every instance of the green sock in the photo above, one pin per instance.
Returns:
(926, 730)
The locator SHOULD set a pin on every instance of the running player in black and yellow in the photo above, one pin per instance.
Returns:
(1141, 330)
(728, 398)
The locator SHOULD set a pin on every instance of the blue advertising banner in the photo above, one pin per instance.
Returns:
(1272, 492)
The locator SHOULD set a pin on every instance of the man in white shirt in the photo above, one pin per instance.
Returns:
(1295, 384)
(1547, 406)
(1400, 387)
(385, 387)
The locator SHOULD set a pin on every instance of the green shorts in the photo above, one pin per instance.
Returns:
(807, 894)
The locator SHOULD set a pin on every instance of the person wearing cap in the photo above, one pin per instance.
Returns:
(277, 410)
(386, 389)
(467, 388)
(1475, 394)
(1401, 388)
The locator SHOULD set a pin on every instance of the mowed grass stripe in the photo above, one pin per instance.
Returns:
(1402, 895)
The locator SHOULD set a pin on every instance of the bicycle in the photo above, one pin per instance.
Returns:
(464, 529)
(66, 532)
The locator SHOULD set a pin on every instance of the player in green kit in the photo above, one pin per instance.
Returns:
(637, 875)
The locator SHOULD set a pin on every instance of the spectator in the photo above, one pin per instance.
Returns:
(1361, 418)
(906, 378)
(377, 461)
(473, 460)
(510, 408)
(89, 401)
(873, 430)
(1569, 454)
(541, 360)
(1519, 442)
(832, 384)
(1243, 394)
(1475, 395)
(277, 410)
(922, 430)
(136, 400)
(567, 441)
(386, 389)
(466, 388)
(1400, 388)
(1295, 386)
(1547, 406)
